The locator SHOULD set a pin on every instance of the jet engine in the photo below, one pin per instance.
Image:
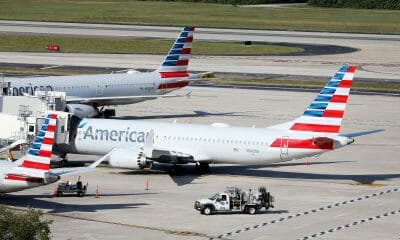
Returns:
(128, 158)
(82, 110)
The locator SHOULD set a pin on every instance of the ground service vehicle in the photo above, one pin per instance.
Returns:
(66, 187)
(236, 200)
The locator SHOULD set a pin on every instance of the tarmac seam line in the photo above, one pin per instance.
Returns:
(305, 213)
(350, 225)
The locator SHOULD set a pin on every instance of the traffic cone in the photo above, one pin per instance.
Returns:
(97, 191)
(147, 183)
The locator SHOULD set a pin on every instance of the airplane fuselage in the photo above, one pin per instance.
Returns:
(13, 183)
(99, 85)
(208, 143)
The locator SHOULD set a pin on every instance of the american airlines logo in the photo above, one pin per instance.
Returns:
(126, 135)
(19, 91)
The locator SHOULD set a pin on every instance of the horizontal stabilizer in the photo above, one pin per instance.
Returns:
(357, 134)
(78, 170)
(13, 145)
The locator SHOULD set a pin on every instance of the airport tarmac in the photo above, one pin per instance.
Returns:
(350, 193)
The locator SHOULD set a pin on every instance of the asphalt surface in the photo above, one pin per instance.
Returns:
(377, 55)
(352, 192)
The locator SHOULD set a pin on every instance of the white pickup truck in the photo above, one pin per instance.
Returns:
(235, 200)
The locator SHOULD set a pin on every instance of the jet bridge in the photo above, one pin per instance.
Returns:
(21, 116)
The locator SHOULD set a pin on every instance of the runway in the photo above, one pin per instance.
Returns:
(377, 57)
(352, 191)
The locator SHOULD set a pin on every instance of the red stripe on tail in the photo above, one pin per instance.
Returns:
(182, 62)
(48, 141)
(174, 74)
(44, 153)
(339, 99)
(310, 127)
(189, 40)
(24, 179)
(186, 51)
(333, 113)
(51, 128)
(303, 143)
(351, 69)
(345, 83)
(35, 165)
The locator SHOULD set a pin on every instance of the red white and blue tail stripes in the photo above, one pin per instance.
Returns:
(325, 113)
(36, 163)
(176, 62)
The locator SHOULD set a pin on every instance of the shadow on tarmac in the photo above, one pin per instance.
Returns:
(194, 114)
(38, 201)
(260, 212)
(257, 172)
(266, 171)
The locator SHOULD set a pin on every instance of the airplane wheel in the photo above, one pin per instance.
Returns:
(63, 162)
(203, 168)
(108, 113)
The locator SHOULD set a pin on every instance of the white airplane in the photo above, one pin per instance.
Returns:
(137, 144)
(33, 169)
(85, 93)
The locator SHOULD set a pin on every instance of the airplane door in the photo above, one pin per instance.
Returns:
(284, 146)
(163, 86)
(99, 90)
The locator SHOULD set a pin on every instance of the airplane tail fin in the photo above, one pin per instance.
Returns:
(36, 163)
(176, 62)
(325, 113)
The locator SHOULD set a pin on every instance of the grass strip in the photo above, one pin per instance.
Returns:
(69, 44)
(203, 14)
(357, 85)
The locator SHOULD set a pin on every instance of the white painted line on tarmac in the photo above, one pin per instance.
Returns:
(225, 235)
(350, 225)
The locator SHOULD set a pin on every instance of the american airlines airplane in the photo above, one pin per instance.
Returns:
(137, 144)
(85, 93)
(33, 169)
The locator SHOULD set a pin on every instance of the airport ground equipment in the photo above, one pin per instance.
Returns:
(68, 188)
(21, 116)
(233, 199)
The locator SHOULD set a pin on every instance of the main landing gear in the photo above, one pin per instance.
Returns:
(63, 160)
(202, 168)
(177, 170)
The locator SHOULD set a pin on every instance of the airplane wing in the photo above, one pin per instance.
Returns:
(13, 145)
(187, 155)
(101, 101)
(77, 170)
